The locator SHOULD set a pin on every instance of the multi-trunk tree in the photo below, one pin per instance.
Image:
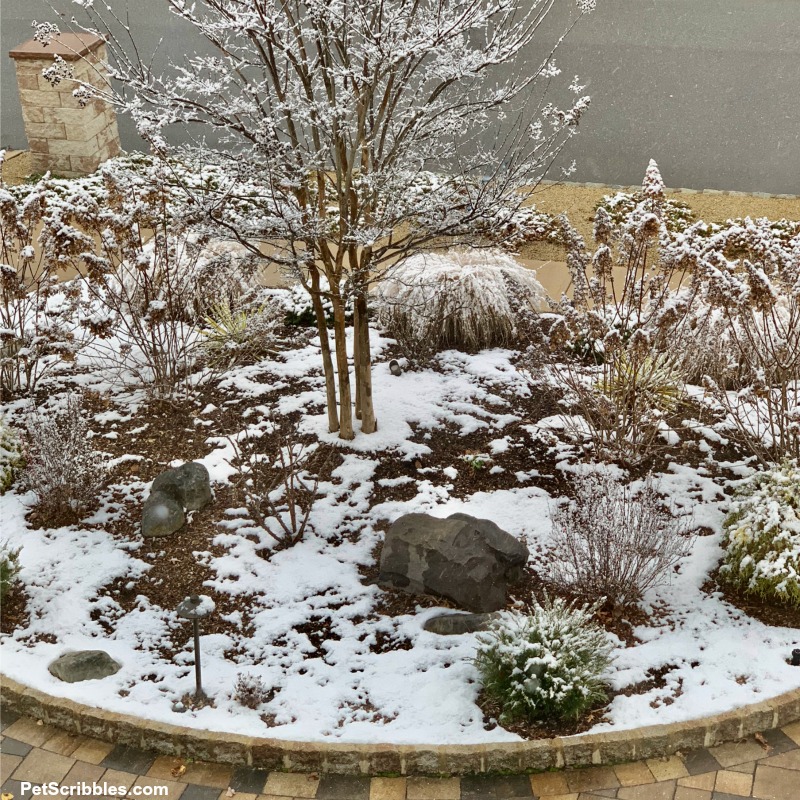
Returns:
(372, 129)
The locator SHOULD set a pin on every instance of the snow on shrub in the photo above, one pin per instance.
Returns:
(251, 691)
(39, 328)
(10, 455)
(762, 536)
(9, 568)
(546, 664)
(61, 467)
(462, 298)
(615, 543)
(300, 310)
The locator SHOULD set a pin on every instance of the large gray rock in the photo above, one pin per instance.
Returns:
(162, 515)
(83, 665)
(467, 560)
(188, 484)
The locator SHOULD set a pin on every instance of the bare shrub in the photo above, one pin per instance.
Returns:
(621, 334)
(460, 299)
(61, 467)
(277, 487)
(250, 691)
(38, 313)
(148, 271)
(752, 276)
(614, 543)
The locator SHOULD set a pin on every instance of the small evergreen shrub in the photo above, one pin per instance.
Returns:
(300, 309)
(762, 536)
(544, 665)
(61, 467)
(10, 455)
(9, 568)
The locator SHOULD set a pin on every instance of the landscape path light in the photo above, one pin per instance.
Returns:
(196, 607)
(796, 658)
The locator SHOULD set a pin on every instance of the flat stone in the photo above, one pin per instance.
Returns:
(41, 766)
(455, 624)
(733, 782)
(771, 783)
(84, 665)
(387, 789)
(162, 515)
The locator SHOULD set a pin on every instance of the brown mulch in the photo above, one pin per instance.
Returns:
(778, 616)
(176, 571)
(14, 610)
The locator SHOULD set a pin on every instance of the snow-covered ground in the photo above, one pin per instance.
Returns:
(718, 658)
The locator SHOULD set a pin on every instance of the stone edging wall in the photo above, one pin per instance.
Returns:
(376, 759)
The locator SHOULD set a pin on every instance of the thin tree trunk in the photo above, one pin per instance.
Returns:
(357, 361)
(340, 341)
(364, 366)
(325, 347)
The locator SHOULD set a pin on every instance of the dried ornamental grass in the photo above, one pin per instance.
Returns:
(459, 299)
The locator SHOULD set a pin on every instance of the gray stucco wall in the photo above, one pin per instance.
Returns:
(709, 89)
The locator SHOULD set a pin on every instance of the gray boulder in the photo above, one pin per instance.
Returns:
(162, 514)
(83, 665)
(455, 624)
(188, 484)
(467, 560)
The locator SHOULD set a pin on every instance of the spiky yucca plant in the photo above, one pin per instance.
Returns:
(232, 336)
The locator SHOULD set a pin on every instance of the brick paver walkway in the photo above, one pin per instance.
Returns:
(38, 754)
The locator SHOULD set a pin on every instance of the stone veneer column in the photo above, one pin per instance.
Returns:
(63, 137)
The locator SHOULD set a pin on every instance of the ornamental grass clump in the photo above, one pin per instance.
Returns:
(545, 665)
(762, 536)
(464, 298)
(236, 336)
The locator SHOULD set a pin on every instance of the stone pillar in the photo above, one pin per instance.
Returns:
(63, 137)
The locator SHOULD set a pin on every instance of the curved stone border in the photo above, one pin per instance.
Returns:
(376, 759)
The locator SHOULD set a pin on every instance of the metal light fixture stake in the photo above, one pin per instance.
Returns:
(194, 608)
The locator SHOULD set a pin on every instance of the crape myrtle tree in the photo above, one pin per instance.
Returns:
(372, 129)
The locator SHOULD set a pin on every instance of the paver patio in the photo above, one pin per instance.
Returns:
(38, 754)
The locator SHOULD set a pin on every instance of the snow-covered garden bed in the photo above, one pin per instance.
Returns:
(306, 621)
(607, 438)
